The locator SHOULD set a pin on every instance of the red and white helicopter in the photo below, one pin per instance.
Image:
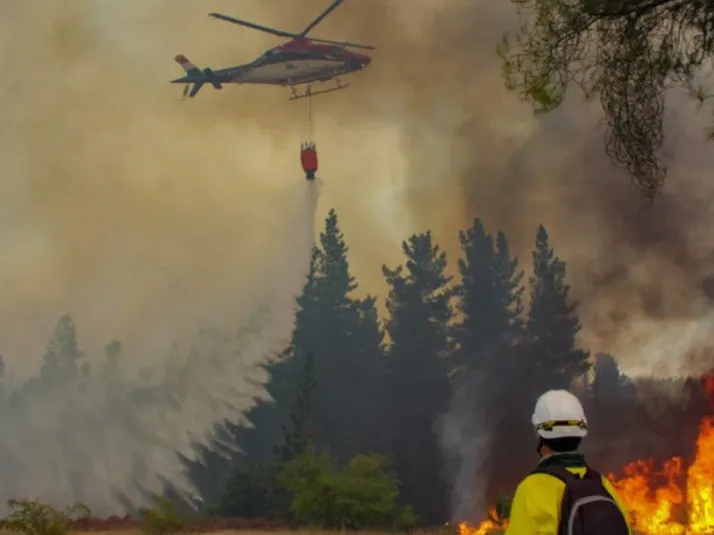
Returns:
(301, 61)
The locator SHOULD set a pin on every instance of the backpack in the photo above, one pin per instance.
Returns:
(587, 507)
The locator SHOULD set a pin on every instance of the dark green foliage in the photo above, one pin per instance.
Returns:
(552, 324)
(296, 438)
(420, 311)
(31, 517)
(490, 300)
(501, 509)
(254, 492)
(362, 495)
(490, 357)
(61, 359)
(376, 411)
(163, 519)
(343, 336)
(610, 387)
(627, 54)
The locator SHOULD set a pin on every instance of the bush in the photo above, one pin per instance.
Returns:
(164, 519)
(363, 495)
(367, 492)
(502, 509)
(254, 492)
(34, 518)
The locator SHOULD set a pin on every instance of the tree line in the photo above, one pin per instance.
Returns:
(394, 421)
(479, 350)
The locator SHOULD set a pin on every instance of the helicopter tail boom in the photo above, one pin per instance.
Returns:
(195, 78)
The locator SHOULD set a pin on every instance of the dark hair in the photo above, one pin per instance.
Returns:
(564, 444)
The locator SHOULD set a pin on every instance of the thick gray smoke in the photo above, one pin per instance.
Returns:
(120, 433)
(465, 433)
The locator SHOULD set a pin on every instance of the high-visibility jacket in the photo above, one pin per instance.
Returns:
(535, 509)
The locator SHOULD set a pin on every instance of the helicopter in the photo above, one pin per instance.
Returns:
(302, 61)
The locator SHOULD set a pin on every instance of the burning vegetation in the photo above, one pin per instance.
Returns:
(675, 497)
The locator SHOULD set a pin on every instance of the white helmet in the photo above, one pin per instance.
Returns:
(559, 414)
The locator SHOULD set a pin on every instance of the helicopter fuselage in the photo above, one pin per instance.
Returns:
(299, 61)
(291, 64)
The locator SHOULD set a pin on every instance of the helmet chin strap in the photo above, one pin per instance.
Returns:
(539, 447)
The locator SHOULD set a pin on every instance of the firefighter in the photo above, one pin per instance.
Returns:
(563, 495)
(308, 159)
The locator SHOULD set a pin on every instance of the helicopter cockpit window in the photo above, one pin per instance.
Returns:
(268, 55)
(333, 51)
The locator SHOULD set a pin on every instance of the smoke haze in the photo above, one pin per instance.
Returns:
(143, 215)
(118, 435)
(116, 194)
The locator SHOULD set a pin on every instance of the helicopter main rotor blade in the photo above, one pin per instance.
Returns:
(320, 17)
(266, 29)
(343, 43)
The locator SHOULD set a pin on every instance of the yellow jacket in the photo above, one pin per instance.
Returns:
(535, 509)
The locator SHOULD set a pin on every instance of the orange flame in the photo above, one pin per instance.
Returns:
(666, 502)
(484, 528)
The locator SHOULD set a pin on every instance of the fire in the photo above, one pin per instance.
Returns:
(492, 525)
(671, 501)
(673, 506)
(651, 511)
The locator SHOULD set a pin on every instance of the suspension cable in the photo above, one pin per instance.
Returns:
(309, 116)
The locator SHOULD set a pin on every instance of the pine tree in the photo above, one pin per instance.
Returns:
(420, 311)
(370, 370)
(113, 351)
(4, 390)
(297, 437)
(488, 360)
(62, 356)
(343, 335)
(490, 300)
(613, 412)
(336, 339)
(553, 325)
(610, 387)
(269, 417)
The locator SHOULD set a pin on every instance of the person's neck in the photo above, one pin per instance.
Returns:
(563, 458)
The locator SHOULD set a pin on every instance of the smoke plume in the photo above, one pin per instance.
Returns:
(143, 215)
(466, 434)
(119, 435)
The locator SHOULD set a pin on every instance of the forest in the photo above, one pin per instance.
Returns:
(422, 411)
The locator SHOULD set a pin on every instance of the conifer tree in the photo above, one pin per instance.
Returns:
(490, 299)
(420, 311)
(297, 433)
(488, 360)
(62, 356)
(552, 324)
(341, 334)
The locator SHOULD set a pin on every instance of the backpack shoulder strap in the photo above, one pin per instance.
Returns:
(591, 473)
(559, 472)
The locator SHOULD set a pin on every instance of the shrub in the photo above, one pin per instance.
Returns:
(254, 492)
(163, 519)
(363, 495)
(367, 492)
(34, 518)
(502, 509)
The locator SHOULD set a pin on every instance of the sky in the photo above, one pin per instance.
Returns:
(142, 215)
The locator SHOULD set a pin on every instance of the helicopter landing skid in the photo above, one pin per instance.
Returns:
(310, 93)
